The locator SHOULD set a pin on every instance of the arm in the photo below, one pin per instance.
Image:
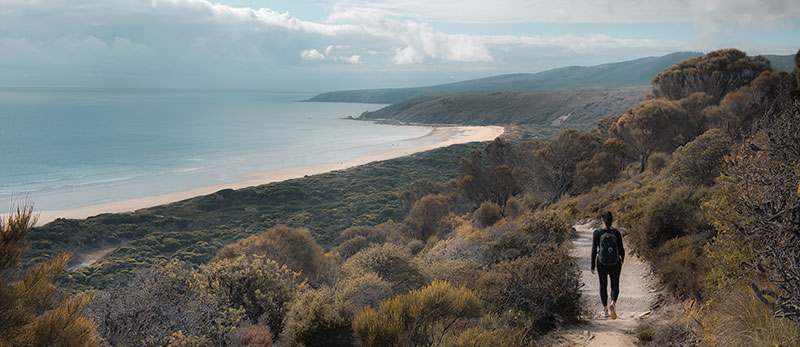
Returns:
(621, 248)
(595, 240)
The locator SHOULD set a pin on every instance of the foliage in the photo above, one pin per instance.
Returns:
(293, 247)
(492, 174)
(319, 318)
(657, 162)
(390, 262)
(651, 126)
(426, 217)
(422, 317)
(261, 287)
(716, 74)
(32, 313)
(159, 302)
(354, 239)
(556, 161)
(195, 229)
(488, 213)
(416, 191)
(700, 161)
(252, 336)
(545, 286)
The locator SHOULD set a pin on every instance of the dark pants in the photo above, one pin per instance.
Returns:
(604, 272)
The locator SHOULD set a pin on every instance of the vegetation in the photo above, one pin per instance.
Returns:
(551, 108)
(32, 311)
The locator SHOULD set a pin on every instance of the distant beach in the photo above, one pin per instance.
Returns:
(437, 137)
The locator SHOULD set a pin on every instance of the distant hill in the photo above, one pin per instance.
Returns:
(638, 72)
(574, 108)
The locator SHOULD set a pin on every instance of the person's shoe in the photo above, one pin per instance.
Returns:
(604, 314)
(613, 311)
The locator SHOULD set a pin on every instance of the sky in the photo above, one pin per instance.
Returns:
(316, 46)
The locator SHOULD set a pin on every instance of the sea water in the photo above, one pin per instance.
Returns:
(69, 148)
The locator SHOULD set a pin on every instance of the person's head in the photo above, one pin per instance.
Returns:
(607, 219)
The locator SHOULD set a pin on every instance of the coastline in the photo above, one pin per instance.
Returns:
(443, 135)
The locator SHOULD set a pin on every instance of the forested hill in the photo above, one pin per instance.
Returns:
(573, 108)
(636, 72)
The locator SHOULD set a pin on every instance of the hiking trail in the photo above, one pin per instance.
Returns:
(637, 287)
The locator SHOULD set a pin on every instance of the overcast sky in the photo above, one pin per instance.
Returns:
(314, 46)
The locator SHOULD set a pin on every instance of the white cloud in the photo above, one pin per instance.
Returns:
(311, 54)
(353, 59)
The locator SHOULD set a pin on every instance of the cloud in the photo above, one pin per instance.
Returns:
(311, 54)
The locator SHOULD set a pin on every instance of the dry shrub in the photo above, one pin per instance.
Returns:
(252, 336)
(738, 318)
(487, 214)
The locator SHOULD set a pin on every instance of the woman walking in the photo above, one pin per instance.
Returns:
(608, 254)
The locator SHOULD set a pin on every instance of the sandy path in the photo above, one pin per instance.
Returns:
(635, 298)
(438, 137)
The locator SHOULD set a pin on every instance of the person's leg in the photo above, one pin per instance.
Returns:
(603, 284)
(615, 272)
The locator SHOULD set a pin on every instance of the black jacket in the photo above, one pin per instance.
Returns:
(596, 243)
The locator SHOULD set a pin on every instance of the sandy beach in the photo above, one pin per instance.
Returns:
(443, 136)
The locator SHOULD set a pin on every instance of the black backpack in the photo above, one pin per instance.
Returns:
(609, 254)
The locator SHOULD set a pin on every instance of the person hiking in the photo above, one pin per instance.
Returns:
(608, 254)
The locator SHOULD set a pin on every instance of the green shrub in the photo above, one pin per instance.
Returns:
(318, 318)
(678, 257)
(418, 318)
(699, 162)
(488, 214)
(291, 246)
(261, 287)
(390, 262)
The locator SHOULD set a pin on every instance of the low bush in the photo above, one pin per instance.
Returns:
(390, 262)
(489, 213)
(319, 318)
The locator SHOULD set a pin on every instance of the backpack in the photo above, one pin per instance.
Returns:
(609, 254)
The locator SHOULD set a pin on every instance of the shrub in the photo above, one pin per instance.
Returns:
(418, 318)
(31, 312)
(390, 262)
(367, 290)
(657, 162)
(291, 246)
(678, 257)
(318, 318)
(493, 330)
(487, 214)
(159, 302)
(545, 286)
(699, 162)
(426, 217)
(261, 287)
(252, 336)
(354, 239)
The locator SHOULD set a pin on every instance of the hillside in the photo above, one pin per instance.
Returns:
(561, 108)
(638, 72)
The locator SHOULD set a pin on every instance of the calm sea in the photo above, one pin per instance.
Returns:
(69, 148)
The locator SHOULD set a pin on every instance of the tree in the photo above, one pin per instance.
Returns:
(416, 191)
(651, 126)
(261, 287)
(426, 217)
(555, 163)
(31, 311)
(716, 74)
(294, 247)
(492, 175)
(422, 317)
(694, 105)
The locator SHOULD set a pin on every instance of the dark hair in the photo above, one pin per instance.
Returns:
(607, 218)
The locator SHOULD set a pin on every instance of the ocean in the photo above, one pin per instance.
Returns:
(70, 148)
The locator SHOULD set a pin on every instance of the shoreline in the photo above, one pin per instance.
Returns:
(443, 135)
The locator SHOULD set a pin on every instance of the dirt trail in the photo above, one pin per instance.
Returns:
(637, 294)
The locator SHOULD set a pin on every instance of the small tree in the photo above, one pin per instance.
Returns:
(426, 217)
(492, 175)
(555, 163)
(651, 126)
(423, 317)
(31, 311)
